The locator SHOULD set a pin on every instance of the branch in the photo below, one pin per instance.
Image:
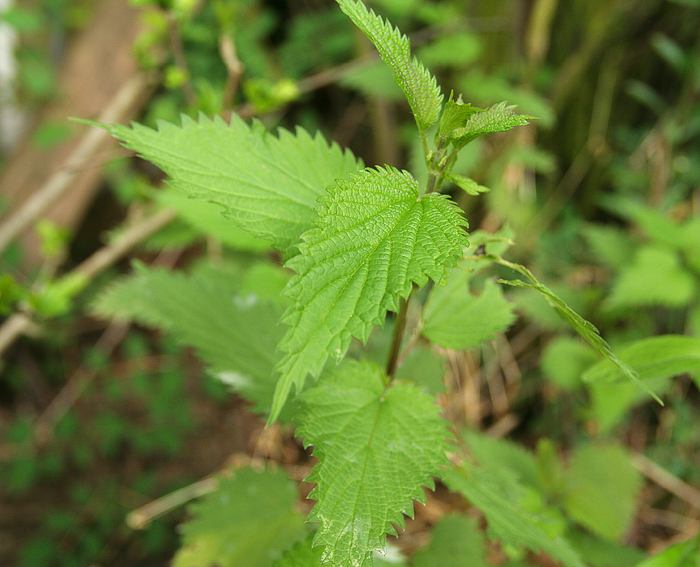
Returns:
(54, 188)
(20, 323)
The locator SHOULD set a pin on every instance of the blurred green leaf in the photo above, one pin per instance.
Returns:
(602, 487)
(658, 357)
(564, 361)
(455, 542)
(685, 554)
(453, 318)
(515, 516)
(655, 277)
(250, 519)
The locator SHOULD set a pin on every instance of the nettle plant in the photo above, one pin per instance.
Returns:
(361, 242)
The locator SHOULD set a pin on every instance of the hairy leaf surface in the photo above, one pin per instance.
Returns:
(377, 448)
(267, 184)
(500, 117)
(374, 238)
(234, 331)
(250, 519)
(684, 554)
(418, 84)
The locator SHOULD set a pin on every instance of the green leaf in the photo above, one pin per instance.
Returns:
(425, 368)
(496, 453)
(303, 554)
(497, 118)
(455, 542)
(602, 487)
(655, 277)
(468, 185)
(655, 359)
(267, 184)
(609, 245)
(564, 361)
(603, 553)
(457, 50)
(484, 88)
(455, 115)
(611, 402)
(249, 520)
(663, 356)
(420, 87)
(585, 329)
(453, 318)
(374, 239)
(685, 554)
(377, 447)
(504, 502)
(209, 219)
(374, 80)
(234, 333)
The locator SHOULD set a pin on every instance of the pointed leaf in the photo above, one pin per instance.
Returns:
(267, 184)
(374, 238)
(585, 329)
(458, 320)
(420, 87)
(377, 447)
(663, 356)
(234, 331)
(503, 501)
(602, 487)
(497, 118)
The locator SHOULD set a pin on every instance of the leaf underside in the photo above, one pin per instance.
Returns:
(374, 238)
(377, 447)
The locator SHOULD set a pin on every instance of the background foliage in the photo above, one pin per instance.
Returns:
(564, 460)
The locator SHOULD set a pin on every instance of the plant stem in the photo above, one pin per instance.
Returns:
(399, 328)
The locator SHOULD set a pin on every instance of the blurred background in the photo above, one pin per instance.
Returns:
(100, 418)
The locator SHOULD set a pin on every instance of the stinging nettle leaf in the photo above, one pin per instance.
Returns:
(655, 277)
(455, 541)
(374, 238)
(377, 446)
(267, 184)
(302, 554)
(234, 332)
(458, 320)
(250, 519)
(503, 500)
(468, 185)
(602, 486)
(500, 117)
(418, 84)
